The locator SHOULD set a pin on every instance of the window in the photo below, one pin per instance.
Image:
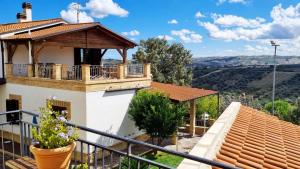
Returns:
(59, 106)
(13, 103)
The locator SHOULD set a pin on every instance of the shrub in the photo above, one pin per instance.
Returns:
(154, 113)
(53, 130)
(208, 105)
(283, 109)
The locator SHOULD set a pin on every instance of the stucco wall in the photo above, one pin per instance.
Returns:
(107, 111)
(104, 111)
(49, 54)
(35, 97)
(20, 55)
(56, 54)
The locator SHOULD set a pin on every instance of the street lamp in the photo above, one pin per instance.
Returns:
(273, 43)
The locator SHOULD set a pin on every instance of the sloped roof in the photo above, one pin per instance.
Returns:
(259, 140)
(50, 31)
(181, 93)
(13, 27)
(66, 28)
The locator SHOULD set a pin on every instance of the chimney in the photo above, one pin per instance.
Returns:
(26, 15)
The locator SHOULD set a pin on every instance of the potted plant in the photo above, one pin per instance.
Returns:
(54, 141)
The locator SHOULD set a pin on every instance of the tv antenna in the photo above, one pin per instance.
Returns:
(76, 6)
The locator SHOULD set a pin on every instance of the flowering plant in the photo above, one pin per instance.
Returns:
(53, 132)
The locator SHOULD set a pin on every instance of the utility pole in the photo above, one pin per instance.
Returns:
(273, 43)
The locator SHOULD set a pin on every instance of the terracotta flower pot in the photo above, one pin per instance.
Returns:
(58, 158)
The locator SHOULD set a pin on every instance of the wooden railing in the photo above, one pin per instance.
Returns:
(79, 72)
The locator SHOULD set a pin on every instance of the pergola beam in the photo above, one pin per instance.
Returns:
(123, 53)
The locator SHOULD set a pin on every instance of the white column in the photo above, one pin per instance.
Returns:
(1, 64)
(5, 52)
(29, 53)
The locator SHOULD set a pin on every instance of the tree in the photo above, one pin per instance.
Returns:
(170, 63)
(154, 113)
(208, 104)
(283, 109)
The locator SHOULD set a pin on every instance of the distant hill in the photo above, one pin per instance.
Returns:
(254, 80)
(230, 61)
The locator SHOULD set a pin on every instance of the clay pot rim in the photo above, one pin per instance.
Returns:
(53, 151)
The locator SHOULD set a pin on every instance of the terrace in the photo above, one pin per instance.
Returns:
(16, 137)
(84, 77)
(69, 56)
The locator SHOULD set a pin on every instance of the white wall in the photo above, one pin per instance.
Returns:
(103, 111)
(20, 55)
(49, 54)
(56, 54)
(35, 97)
(107, 111)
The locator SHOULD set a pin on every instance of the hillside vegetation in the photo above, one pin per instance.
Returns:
(252, 80)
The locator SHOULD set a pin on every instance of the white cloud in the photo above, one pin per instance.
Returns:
(93, 9)
(131, 33)
(165, 37)
(232, 1)
(173, 21)
(70, 14)
(199, 15)
(103, 8)
(232, 20)
(187, 36)
(285, 24)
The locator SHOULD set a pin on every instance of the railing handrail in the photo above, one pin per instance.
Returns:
(135, 142)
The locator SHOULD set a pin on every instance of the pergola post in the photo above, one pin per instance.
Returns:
(30, 52)
(192, 117)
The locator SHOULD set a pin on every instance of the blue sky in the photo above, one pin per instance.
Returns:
(206, 27)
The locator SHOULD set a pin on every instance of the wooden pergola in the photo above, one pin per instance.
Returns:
(184, 94)
(84, 36)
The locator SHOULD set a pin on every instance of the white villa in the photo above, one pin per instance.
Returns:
(46, 58)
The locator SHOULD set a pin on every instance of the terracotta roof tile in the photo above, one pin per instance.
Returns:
(12, 27)
(181, 93)
(51, 31)
(259, 140)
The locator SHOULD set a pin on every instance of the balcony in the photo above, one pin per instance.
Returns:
(81, 77)
(16, 138)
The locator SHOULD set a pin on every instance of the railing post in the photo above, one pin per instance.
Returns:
(86, 72)
(121, 71)
(29, 70)
(64, 69)
(125, 70)
(56, 71)
(36, 70)
(9, 69)
(147, 70)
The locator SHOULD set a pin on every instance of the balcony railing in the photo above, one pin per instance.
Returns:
(44, 70)
(135, 70)
(71, 72)
(79, 72)
(16, 138)
(20, 70)
(103, 72)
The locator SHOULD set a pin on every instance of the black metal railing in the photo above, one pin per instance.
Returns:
(16, 138)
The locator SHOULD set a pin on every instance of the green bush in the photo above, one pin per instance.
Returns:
(208, 105)
(283, 109)
(154, 113)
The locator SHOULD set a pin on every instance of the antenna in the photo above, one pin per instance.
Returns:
(77, 8)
